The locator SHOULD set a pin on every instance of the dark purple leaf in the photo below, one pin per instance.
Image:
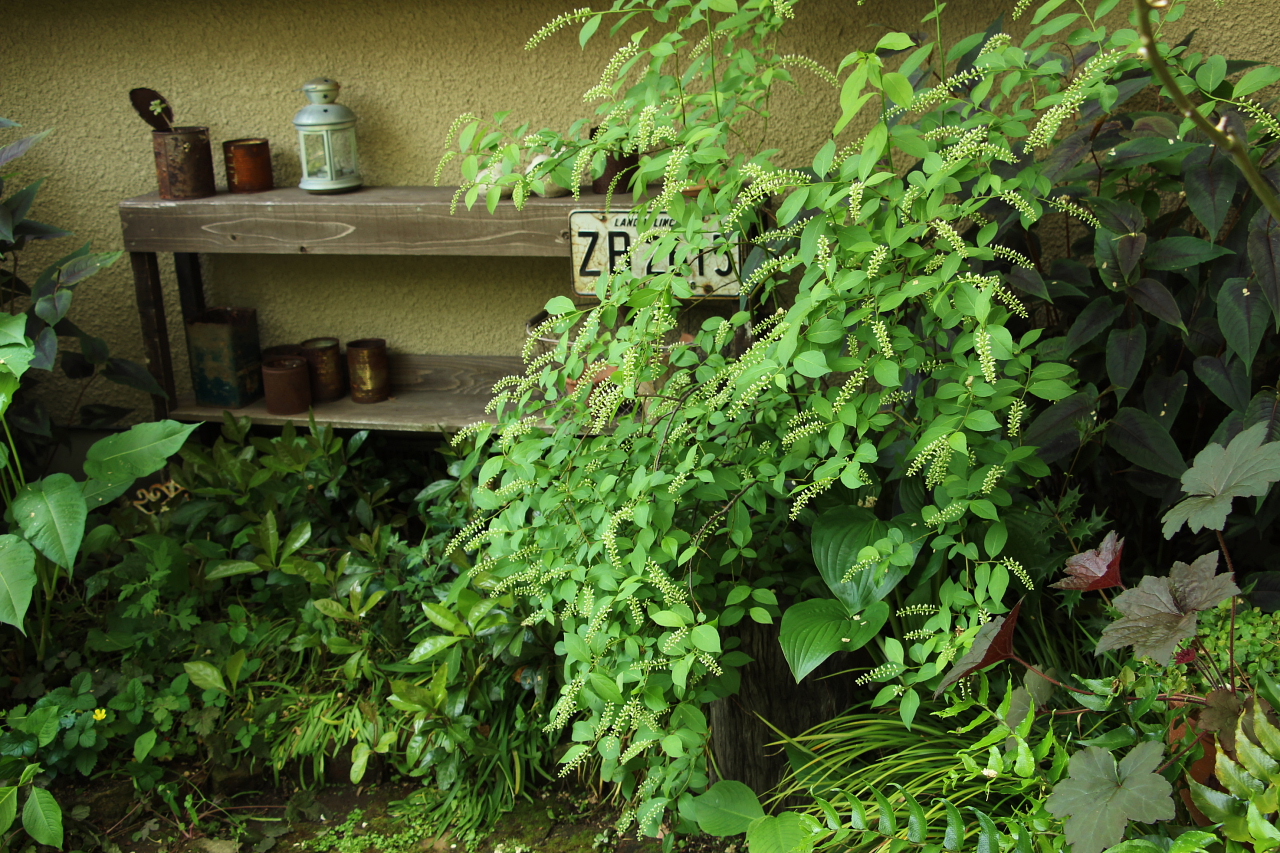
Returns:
(1118, 216)
(1264, 408)
(1163, 395)
(1054, 430)
(1219, 715)
(993, 644)
(1210, 179)
(1264, 256)
(1129, 249)
(133, 375)
(152, 108)
(101, 415)
(1154, 298)
(1106, 256)
(1095, 319)
(1096, 569)
(1155, 126)
(53, 307)
(1227, 380)
(1243, 317)
(6, 225)
(46, 349)
(19, 203)
(1179, 253)
(1066, 155)
(95, 349)
(1029, 281)
(1126, 352)
(1141, 439)
(15, 150)
(83, 267)
(75, 365)
(1146, 149)
(32, 230)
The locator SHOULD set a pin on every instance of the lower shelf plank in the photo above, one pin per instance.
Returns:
(408, 411)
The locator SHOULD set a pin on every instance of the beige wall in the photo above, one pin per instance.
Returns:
(407, 68)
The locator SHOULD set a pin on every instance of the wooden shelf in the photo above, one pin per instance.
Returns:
(369, 221)
(430, 394)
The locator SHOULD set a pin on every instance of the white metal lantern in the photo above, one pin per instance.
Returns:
(327, 140)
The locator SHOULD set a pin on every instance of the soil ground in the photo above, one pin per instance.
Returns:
(340, 819)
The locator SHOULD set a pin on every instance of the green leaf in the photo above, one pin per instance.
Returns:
(230, 568)
(1258, 78)
(42, 818)
(898, 88)
(727, 808)
(814, 630)
(52, 513)
(705, 638)
(142, 449)
(360, 752)
(1243, 317)
(1142, 440)
(789, 832)
(812, 363)
(838, 536)
(204, 675)
(333, 610)
(886, 373)
(144, 744)
(560, 305)
(430, 647)
(1099, 798)
(1245, 468)
(895, 41)
(584, 35)
(17, 580)
(8, 807)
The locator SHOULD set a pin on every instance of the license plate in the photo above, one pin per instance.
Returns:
(600, 241)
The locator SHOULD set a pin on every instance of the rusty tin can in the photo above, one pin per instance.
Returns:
(248, 165)
(282, 351)
(184, 162)
(226, 364)
(286, 383)
(328, 382)
(369, 369)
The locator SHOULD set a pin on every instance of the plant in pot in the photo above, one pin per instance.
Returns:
(184, 157)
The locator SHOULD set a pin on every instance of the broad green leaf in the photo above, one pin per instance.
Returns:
(812, 363)
(142, 449)
(144, 744)
(898, 88)
(333, 610)
(895, 41)
(1099, 797)
(205, 675)
(813, 630)
(727, 808)
(42, 818)
(789, 832)
(1258, 78)
(52, 513)
(360, 754)
(8, 807)
(705, 638)
(560, 305)
(1142, 440)
(886, 373)
(838, 535)
(1245, 468)
(230, 568)
(17, 579)
(430, 647)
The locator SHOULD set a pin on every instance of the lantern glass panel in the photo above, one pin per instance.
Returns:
(317, 162)
(342, 147)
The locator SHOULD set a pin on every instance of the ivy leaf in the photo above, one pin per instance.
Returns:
(1099, 798)
(1245, 468)
(1161, 612)
(993, 644)
(1096, 569)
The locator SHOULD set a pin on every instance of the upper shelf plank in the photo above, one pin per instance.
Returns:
(369, 221)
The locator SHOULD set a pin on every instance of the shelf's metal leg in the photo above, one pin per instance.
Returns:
(155, 331)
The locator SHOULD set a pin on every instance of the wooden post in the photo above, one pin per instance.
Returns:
(155, 331)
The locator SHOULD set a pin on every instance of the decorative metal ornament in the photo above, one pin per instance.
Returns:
(327, 140)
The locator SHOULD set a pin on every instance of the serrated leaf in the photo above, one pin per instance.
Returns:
(1244, 468)
(1096, 569)
(727, 808)
(993, 644)
(813, 630)
(1099, 797)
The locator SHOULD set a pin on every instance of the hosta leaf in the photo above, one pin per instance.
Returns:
(789, 832)
(1099, 798)
(1096, 569)
(727, 808)
(838, 535)
(993, 644)
(813, 630)
(1244, 468)
(1161, 612)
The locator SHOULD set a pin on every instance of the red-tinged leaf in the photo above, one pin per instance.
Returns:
(1154, 298)
(1264, 257)
(993, 644)
(1096, 569)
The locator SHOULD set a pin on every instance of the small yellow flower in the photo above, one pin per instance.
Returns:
(99, 714)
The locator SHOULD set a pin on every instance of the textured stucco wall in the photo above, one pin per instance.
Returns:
(407, 68)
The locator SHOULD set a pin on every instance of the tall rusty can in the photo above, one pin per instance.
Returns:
(226, 364)
(287, 385)
(328, 383)
(184, 162)
(248, 165)
(369, 369)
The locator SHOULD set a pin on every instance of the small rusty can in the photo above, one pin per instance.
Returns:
(184, 162)
(286, 384)
(328, 383)
(248, 165)
(369, 369)
(282, 351)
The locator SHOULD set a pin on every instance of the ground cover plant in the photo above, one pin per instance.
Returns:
(970, 341)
